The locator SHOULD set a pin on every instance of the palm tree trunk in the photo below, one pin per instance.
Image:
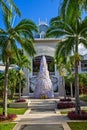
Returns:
(20, 88)
(6, 87)
(64, 88)
(71, 89)
(77, 99)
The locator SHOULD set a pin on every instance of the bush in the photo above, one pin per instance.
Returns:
(9, 117)
(74, 116)
(20, 100)
(67, 99)
(62, 105)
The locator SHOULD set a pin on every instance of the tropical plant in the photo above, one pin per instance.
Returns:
(12, 81)
(21, 33)
(1, 84)
(83, 83)
(72, 35)
(21, 81)
(22, 62)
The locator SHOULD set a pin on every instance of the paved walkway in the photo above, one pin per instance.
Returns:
(42, 115)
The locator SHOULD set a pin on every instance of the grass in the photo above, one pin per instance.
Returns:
(18, 111)
(7, 126)
(78, 125)
(64, 112)
(83, 97)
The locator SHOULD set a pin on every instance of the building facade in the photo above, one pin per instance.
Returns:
(46, 46)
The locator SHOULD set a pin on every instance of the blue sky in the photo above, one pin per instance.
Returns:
(38, 9)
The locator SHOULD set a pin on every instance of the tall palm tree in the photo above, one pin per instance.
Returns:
(72, 35)
(22, 34)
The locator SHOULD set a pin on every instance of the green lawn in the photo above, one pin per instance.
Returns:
(18, 111)
(7, 126)
(78, 125)
(83, 97)
(64, 112)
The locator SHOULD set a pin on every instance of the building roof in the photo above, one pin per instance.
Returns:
(42, 28)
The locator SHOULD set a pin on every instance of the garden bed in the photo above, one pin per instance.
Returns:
(62, 105)
(74, 116)
(65, 100)
(10, 117)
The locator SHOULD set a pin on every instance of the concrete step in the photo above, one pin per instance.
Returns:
(42, 104)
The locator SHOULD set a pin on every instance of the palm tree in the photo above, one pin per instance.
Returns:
(72, 35)
(22, 62)
(21, 33)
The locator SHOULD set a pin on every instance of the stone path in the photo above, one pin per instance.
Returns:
(42, 115)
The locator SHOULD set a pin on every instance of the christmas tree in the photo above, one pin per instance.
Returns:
(43, 87)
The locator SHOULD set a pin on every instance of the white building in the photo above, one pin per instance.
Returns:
(46, 46)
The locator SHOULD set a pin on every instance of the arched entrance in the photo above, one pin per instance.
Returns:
(50, 63)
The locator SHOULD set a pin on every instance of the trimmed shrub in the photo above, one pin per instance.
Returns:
(62, 105)
(20, 100)
(66, 100)
(9, 117)
(74, 116)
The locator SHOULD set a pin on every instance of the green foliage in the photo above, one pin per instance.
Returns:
(83, 83)
(7, 126)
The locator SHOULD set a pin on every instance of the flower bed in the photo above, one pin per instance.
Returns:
(67, 99)
(62, 105)
(20, 100)
(74, 116)
(9, 117)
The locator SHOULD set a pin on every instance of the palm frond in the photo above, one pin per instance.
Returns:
(4, 6)
(26, 44)
(26, 24)
(7, 17)
(15, 7)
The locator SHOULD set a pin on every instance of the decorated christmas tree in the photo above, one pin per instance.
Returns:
(43, 87)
